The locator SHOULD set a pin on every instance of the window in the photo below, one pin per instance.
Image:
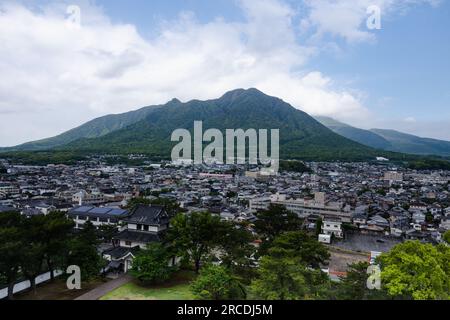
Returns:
(145, 228)
(128, 243)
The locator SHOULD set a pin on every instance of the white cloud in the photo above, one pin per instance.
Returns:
(347, 19)
(410, 120)
(54, 77)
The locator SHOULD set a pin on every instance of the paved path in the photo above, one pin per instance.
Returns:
(102, 290)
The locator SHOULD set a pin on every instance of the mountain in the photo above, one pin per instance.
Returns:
(408, 143)
(301, 136)
(92, 129)
(148, 130)
(389, 140)
(362, 136)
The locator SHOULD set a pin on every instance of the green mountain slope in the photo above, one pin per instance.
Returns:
(301, 136)
(362, 136)
(408, 143)
(389, 140)
(92, 129)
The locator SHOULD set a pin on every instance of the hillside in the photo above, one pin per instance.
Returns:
(92, 129)
(389, 140)
(301, 136)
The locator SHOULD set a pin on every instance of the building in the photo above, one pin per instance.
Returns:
(331, 227)
(9, 189)
(324, 238)
(304, 208)
(84, 198)
(143, 225)
(97, 216)
(393, 176)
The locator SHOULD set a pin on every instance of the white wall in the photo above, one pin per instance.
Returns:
(21, 286)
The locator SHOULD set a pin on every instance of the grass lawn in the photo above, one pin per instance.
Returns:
(176, 289)
(57, 290)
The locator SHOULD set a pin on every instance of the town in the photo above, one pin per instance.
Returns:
(357, 210)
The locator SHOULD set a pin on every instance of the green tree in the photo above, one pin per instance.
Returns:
(319, 224)
(446, 236)
(274, 221)
(413, 270)
(171, 206)
(55, 236)
(217, 283)
(237, 251)
(291, 269)
(286, 279)
(11, 245)
(107, 232)
(83, 252)
(152, 264)
(137, 201)
(299, 245)
(354, 285)
(34, 250)
(194, 236)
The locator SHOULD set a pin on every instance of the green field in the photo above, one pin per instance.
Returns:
(176, 289)
(133, 291)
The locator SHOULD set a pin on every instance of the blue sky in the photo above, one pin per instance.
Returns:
(406, 73)
(317, 55)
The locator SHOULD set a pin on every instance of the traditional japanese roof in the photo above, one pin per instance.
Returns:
(113, 214)
(138, 236)
(120, 252)
(148, 215)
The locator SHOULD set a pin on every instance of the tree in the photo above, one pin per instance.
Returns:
(34, 250)
(171, 206)
(55, 236)
(413, 270)
(290, 270)
(107, 232)
(11, 245)
(237, 251)
(446, 236)
(276, 220)
(283, 278)
(152, 264)
(217, 283)
(354, 285)
(194, 236)
(83, 252)
(299, 245)
(319, 224)
(137, 201)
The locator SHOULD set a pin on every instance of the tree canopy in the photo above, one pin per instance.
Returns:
(418, 271)
(217, 283)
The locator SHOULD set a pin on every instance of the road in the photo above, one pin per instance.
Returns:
(102, 290)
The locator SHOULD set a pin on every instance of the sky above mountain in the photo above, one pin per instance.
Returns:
(59, 69)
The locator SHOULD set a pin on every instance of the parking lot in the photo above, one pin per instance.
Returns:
(367, 243)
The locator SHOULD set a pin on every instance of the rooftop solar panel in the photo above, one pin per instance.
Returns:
(117, 212)
(100, 210)
(83, 209)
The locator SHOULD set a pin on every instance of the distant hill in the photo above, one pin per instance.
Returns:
(148, 130)
(92, 129)
(301, 136)
(364, 137)
(408, 143)
(389, 140)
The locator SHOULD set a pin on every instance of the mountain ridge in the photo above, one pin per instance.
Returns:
(148, 130)
(389, 139)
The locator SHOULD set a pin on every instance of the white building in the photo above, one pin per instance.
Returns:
(332, 227)
(84, 198)
(304, 208)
